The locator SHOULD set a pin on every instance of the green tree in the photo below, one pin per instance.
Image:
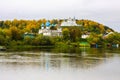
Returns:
(66, 34)
(38, 39)
(46, 40)
(113, 38)
(28, 40)
(2, 40)
(75, 33)
(94, 38)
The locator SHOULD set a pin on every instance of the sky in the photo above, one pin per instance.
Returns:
(106, 12)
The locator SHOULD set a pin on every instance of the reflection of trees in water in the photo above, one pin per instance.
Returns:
(90, 59)
(78, 58)
(70, 62)
(85, 63)
(67, 49)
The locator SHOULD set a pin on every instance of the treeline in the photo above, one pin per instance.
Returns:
(15, 29)
(25, 25)
(92, 26)
(12, 33)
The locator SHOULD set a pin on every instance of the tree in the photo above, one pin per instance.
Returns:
(113, 38)
(66, 34)
(37, 40)
(75, 33)
(94, 38)
(28, 40)
(15, 33)
(2, 40)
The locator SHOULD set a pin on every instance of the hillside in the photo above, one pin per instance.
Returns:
(92, 26)
(34, 25)
(12, 33)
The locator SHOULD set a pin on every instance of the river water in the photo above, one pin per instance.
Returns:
(87, 64)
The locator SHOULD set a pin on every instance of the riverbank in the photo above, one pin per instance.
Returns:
(59, 47)
(27, 48)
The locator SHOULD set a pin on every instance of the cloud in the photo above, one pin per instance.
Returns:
(105, 11)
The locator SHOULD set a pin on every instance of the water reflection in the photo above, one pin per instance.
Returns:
(82, 65)
(85, 59)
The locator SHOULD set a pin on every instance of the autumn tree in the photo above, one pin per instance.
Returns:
(15, 33)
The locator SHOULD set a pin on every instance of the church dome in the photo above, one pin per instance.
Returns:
(53, 25)
(47, 24)
(42, 25)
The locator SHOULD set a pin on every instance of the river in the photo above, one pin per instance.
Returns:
(87, 64)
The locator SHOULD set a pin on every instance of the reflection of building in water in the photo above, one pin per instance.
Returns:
(49, 62)
(70, 61)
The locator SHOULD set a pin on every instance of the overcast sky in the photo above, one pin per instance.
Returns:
(106, 12)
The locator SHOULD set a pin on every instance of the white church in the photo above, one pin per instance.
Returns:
(46, 31)
(69, 22)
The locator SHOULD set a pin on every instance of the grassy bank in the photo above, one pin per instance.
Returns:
(27, 48)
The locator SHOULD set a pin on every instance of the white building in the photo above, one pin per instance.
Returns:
(69, 22)
(46, 31)
(84, 36)
(107, 34)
